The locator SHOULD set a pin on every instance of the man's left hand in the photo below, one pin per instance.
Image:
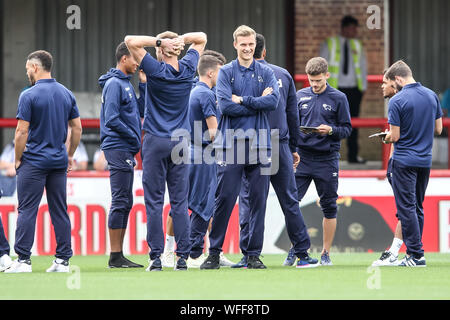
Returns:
(323, 129)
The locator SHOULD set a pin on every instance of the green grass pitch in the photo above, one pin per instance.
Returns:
(349, 278)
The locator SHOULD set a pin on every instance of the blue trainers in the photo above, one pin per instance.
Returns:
(181, 265)
(290, 259)
(410, 261)
(155, 265)
(307, 262)
(325, 259)
(241, 264)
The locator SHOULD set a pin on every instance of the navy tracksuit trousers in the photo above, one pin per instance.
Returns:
(228, 188)
(325, 174)
(283, 182)
(199, 226)
(31, 182)
(121, 175)
(159, 167)
(409, 185)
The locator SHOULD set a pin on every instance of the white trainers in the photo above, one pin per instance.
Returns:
(5, 262)
(168, 259)
(19, 266)
(387, 259)
(195, 263)
(224, 262)
(59, 265)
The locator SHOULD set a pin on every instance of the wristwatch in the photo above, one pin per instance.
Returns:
(330, 132)
(158, 42)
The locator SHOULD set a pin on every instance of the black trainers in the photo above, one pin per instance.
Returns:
(119, 261)
(181, 265)
(155, 265)
(241, 264)
(212, 262)
(255, 263)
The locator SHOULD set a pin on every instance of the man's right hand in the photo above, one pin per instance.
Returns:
(172, 46)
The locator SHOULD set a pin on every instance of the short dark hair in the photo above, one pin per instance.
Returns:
(348, 21)
(316, 66)
(208, 62)
(398, 69)
(122, 50)
(216, 54)
(260, 45)
(44, 57)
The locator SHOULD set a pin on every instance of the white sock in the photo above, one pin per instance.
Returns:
(395, 247)
(170, 244)
(59, 261)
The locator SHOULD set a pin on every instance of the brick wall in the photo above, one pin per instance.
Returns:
(315, 20)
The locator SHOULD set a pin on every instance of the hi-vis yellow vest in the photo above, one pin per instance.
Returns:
(334, 48)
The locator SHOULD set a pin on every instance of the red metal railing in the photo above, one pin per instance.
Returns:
(380, 123)
(371, 78)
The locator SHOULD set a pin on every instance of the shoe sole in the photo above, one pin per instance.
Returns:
(306, 266)
(385, 265)
(412, 266)
(215, 268)
(4, 268)
(124, 267)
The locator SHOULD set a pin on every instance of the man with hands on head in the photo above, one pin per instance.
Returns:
(169, 83)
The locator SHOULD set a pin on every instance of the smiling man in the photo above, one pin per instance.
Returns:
(246, 92)
(326, 108)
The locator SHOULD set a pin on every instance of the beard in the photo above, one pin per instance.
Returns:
(398, 87)
(32, 80)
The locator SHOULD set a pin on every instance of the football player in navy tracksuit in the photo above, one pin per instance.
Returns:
(120, 134)
(202, 173)
(414, 116)
(169, 83)
(246, 92)
(390, 256)
(284, 124)
(326, 109)
(45, 110)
